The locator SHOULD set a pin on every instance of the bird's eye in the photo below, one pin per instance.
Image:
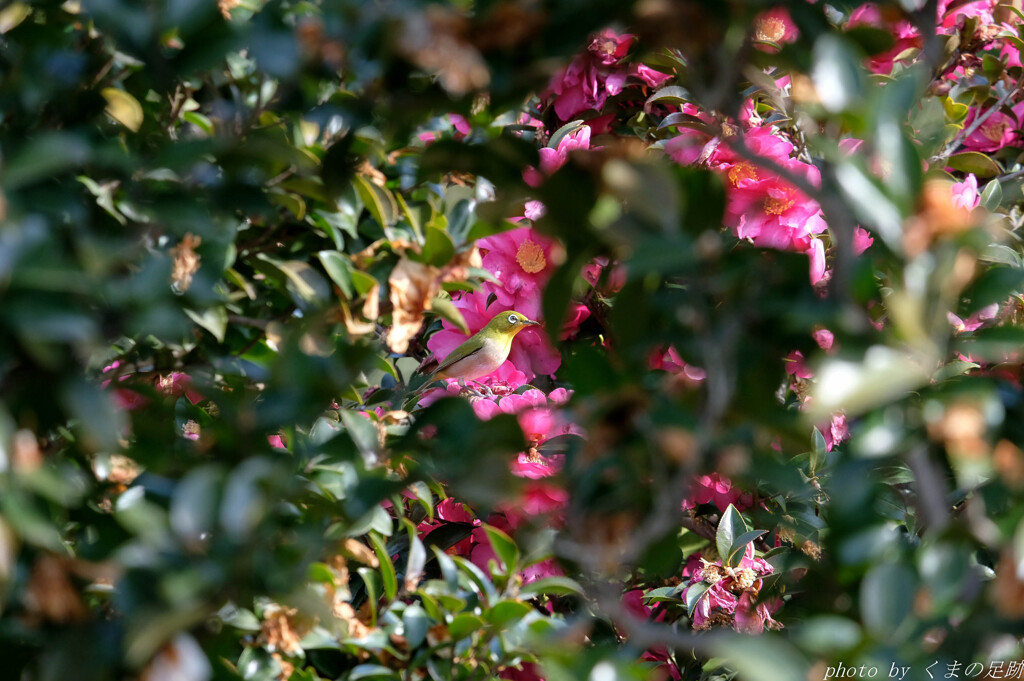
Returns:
(512, 319)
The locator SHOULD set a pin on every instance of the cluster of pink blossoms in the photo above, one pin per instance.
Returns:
(539, 499)
(761, 206)
(732, 595)
(522, 261)
(599, 73)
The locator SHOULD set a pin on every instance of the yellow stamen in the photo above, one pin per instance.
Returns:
(994, 130)
(742, 171)
(770, 29)
(530, 257)
(775, 206)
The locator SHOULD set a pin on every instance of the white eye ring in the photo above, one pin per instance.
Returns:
(512, 319)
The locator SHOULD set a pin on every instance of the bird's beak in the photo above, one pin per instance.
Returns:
(530, 322)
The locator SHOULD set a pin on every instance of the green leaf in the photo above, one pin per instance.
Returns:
(739, 545)
(445, 309)
(975, 162)
(672, 94)
(887, 598)
(730, 527)
(371, 671)
(339, 269)
(416, 622)
(213, 319)
(693, 595)
(506, 612)
(438, 249)
(387, 568)
(558, 135)
(504, 548)
(551, 586)
(379, 201)
(363, 282)
(361, 429)
(767, 657)
(992, 195)
(465, 624)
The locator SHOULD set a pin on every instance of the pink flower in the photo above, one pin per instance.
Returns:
(276, 441)
(998, 130)
(527, 671)
(816, 253)
(523, 260)
(719, 599)
(177, 384)
(973, 8)
(862, 239)
(795, 365)
(553, 159)
(457, 123)
(451, 511)
(775, 26)
(718, 489)
(672, 362)
(587, 82)
(824, 338)
(768, 211)
(531, 353)
(615, 277)
(904, 32)
(975, 321)
(649, 76)
(835, 431)
(965, 194)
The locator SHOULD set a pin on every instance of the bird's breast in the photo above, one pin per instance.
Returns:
(490, 357)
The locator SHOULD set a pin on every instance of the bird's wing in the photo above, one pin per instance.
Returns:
(451, 359)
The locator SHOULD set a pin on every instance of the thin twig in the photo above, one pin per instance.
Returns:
(962, 136)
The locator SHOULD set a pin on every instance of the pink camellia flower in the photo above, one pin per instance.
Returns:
(523, 260)
(526, 671)
(720, 601)
(550, 161)
(890, 19)
(998, 130)
(531, 353)
(948, 18)
(616, 275)
(770, 212)
(451, 511)
(694, 147)
(835, 431)
(124, 398)
(276, 441)
(775, 26)
(965, 194)
(672, 362)
(177, 384)
(716, 488)
(795, 365)
(862, 239)
(587, 82)
(460, 126)
(975, 321)
(649, 76)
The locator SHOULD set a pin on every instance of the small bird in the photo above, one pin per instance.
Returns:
(485, 350)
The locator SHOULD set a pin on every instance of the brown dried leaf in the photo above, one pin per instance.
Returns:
(186, 262)
(360, 552)
(436, 41)
(413, 287)
(283, 628)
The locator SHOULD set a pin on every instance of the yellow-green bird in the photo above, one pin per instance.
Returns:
(485, 350)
